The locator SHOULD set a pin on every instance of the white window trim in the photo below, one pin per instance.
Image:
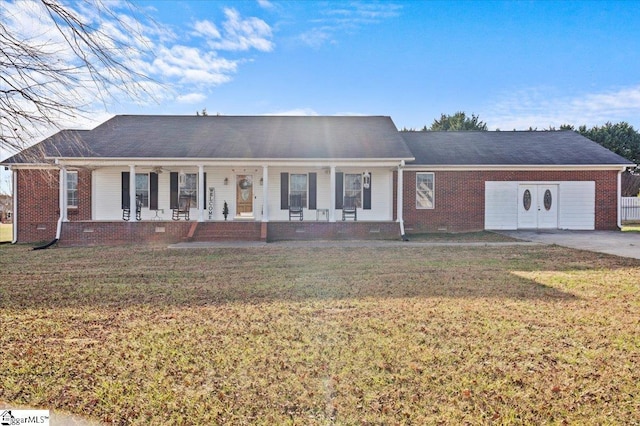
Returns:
(360, 199)
(69, 173)
(147, 189)
(306, 189)
(433, 195)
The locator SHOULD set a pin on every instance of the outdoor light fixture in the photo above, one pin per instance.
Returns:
(226, 181)
(366, 179)
(261, 181)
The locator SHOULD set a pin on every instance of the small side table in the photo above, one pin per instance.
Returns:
(322, 214)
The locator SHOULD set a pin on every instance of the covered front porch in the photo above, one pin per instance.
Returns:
(239, 201)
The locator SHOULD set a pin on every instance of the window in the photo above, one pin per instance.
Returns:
(72, 189)
(425, 190)
(142, 188)
(353, 187)
(298, 186)
(189, 187)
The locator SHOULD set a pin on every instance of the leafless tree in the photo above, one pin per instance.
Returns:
(80, 53)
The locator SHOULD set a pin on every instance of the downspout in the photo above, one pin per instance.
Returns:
(14, 184)
(63, 205)
(619, 192)
(400, 201)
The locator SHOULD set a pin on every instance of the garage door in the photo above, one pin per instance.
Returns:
(538, 206)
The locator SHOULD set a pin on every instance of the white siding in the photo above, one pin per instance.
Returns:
(381, 196)
(577, 205)
(500, 205)
(107, 193)
(107, 196)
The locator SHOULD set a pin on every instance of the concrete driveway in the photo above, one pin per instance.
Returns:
(625, 244)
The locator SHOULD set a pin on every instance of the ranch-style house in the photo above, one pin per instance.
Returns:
(205, 178)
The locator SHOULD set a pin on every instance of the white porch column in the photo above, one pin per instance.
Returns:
(63, 194)
(201, 193)
(332, 201)
(400, 196)
(265, 193)
(14, 218)
(132, 190)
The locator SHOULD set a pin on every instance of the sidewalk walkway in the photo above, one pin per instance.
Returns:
(625, 244)
(345, 243)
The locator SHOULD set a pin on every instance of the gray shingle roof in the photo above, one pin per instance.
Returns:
(507, 148)
(235, 137)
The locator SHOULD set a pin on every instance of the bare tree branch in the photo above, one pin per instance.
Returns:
(85, 53)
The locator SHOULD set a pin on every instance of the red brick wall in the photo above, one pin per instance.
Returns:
(459, 198)
(118, 233)
(348, 230)
(39, 207)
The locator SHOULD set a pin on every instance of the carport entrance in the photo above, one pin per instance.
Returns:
(537, 206)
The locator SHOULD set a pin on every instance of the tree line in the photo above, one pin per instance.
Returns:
(620, 138)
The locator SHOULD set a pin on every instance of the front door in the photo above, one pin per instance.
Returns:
(538, 206)
(244, 195)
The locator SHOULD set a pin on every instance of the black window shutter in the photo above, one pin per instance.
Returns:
(312, 190)
(205, 192)
(339, 190)
(366, 203)
(284, 191)
(153, 191)
(125, 190)
(173, 187)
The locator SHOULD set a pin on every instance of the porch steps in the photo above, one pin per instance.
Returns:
(227, 231)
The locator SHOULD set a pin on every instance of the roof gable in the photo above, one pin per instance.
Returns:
(466, 148)
(232, 137)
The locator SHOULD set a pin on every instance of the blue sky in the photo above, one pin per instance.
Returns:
(515, 64)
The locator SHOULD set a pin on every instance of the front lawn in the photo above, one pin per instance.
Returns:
(276, 335)
(6, 232)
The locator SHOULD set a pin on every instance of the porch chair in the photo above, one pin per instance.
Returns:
(350, 208)
(184, 204)
(126, 212)
(295, 206)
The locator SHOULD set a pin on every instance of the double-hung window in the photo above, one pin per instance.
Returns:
(298, 186)
(353, 187)
(188, 187)
(425, 185)
(72, 189)
(142, 188)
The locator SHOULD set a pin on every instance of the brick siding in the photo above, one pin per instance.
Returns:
(119, 233)
(459, 207)
(459, 197)
(39, 206)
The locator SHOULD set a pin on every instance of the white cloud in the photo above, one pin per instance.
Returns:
(241, 34)
(265, 4)
(206, 29)
(348, 17)
(191, 98)
(544, 107)
(296, 112)
(147, 48)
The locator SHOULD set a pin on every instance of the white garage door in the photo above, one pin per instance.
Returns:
(540, 205)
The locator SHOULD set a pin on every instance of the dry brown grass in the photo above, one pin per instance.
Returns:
(406, 335)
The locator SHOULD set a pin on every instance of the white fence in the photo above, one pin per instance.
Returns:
(630, 208)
